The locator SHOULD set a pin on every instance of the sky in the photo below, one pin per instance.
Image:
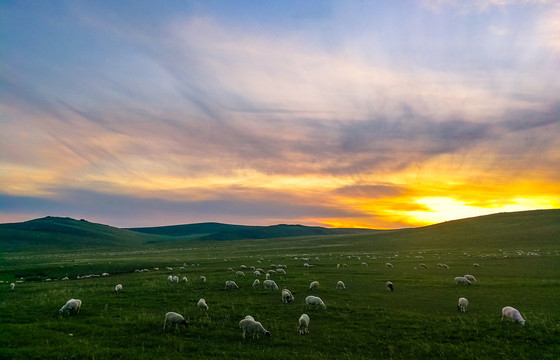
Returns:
(379, 114)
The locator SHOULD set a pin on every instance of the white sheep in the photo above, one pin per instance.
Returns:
(173, 318)
(512, 314)
(476, 264)
(12, 286)
(469, 277)
(462, 280)
(72, 306)
(252, 327)
(340, 285)
(231, 285)
(118, 288)
(423, 266)
(256, 282)
(389, 286)
(281, 271)
(257, 273)
(184, 279)
(314, 302)
(175, 279)
(240, 273)
(462, 304)
(287, 296)
(202, 279)
(389, 265)
(314, 285)
(303, 324)
(170, 278)
(202, 305)
(270, 284)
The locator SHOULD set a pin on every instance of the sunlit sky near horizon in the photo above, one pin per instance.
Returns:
(380, 114)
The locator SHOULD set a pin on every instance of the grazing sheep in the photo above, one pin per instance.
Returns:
(118, 288)
(240, 273)
(365, 264)
(462, 280)
(389, 265)
(314, 302)
(252, 327)
(184, 279)
(202, 279)
(256, 282)
(170, 278)
(462, 304)
(257, 273)
(303, 324)
(423, 266)
(340, 285)
(172, 318)
(281, 271)
(469, 277)
(175, 279)
(267, 276)
(202, 305)
(12, 286)
(270, 284)
(389, 286)
(443, 266)
(231, 285)
(105, 274)
(314, 285)
(287, 296)
(512, 314)
(476, 264)
(72, 306)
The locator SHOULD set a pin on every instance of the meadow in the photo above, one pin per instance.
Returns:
(419, 320)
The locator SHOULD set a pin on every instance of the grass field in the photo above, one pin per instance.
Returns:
(419, 320)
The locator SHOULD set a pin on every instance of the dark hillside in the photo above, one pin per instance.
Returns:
(64, 233)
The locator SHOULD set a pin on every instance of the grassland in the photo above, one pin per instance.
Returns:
(520, 266)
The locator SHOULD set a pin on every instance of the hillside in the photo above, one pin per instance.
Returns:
(65, 233)
(218, 231)
(538, 229)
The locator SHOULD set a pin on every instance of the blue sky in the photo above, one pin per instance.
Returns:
(362, 113)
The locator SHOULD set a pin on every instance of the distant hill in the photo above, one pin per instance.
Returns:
(65, 233)
(540, 228)
(219, 231)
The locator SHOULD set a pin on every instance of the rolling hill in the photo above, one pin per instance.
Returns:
(540, 228)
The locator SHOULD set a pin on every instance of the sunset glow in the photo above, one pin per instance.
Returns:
(342, 114)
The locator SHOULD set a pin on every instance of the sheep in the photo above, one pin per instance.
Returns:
(175, 279)
(170, 278)
(281, 271)
(389, 286)
(267, 276)
(462, 304)
(72, 306)
(231, 285)
(314, 302)
(105, 274)
(118, 288)
(270, 284)
(12, 286)
(314, 285)
(202, 279)
(340, 285)
(476, 265)
(257, 273)
(365, 264)
(184, 279)
(256, 282)
(252, 327)
(287, 296)
(202, 305)
(469, 277)
(303, 324)
(240, 273)
(172, 318)
(462, 280)
(512, 314)
(389, 265)
(423, 266)
(443, 266)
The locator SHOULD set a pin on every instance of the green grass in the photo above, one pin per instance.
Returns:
(419, 320)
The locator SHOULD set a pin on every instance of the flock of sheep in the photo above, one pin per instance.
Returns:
(250, 326)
